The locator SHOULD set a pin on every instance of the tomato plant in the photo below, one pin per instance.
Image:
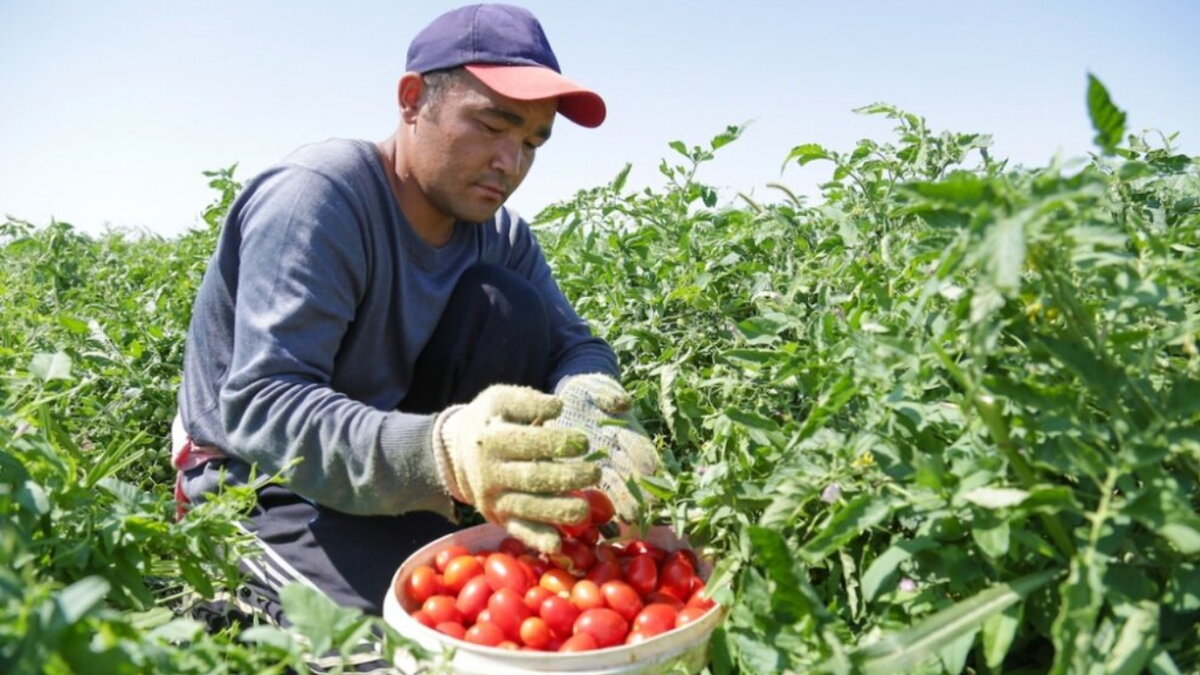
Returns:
(937, 416)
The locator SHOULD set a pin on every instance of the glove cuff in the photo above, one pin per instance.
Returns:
(441, 454)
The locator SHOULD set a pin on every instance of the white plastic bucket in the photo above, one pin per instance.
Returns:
(683, 649)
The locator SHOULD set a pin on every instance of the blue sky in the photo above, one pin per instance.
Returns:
(110, 111)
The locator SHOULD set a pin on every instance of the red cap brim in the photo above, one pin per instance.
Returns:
(532, 83)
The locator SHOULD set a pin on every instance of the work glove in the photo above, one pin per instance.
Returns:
(599, 406)
(495, 454)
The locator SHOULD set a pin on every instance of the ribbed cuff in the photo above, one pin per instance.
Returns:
(441, 454)
(411, 448)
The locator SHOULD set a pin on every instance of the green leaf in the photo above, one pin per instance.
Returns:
(998, 632)
(790, 596)
(1137, 640)
(179, 630)
(961, 189)
(809, 152)
(679, 147)
(884, 567)
(33, 498)
(1107, 119)
(1081, 597)
(80, 598)
(995, 498)
(76, 326)
(954, 655)
(316, 616)
(270, 636)
(900, 651)
(1166, 514)
(1007, 253)
(863, 512)
(47, 367)
(992, 533)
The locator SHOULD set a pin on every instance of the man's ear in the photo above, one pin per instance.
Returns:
(408, 95)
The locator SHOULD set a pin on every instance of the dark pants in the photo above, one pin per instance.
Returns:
(494, 330)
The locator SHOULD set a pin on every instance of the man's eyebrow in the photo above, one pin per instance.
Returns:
(517, 121)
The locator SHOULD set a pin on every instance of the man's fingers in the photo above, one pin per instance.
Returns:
(638, 451)
(553, 510)
(522, 405)
(539, 536)
(545, 477)
(514, 441)
(606, 393)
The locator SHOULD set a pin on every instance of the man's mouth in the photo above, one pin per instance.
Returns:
(494, 191)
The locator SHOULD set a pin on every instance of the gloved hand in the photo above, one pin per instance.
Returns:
(494, 454)
(599, 406)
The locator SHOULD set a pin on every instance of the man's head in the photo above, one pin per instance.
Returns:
(505, 48)
(479, 98)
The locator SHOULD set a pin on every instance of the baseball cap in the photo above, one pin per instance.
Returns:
(505, 47)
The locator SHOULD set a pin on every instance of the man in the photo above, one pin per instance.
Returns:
(377, 325)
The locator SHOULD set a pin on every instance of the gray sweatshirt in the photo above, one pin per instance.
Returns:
(316, 304)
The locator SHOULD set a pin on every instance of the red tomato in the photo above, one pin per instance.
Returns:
(535, 632)
(557, 581)
(635, 636)
(503, 571)
(603, 624)
(590, 536)
(473, 598)
(452, 628)
(688, 615)
(574, 531)
(512, 546)
(447, 554)
(663, 598)
(441, 609)
(642, 574)
(586, 595)
(422, 617)
(675, 577)
(508, 610)
(606, 553)
(621, 598)
(420, 585)
(700, 599)
(600, 505)
(579, 556)
(484, 633)
(640, 547)
(510, 645)
(579, 643)
(604, 571)
(685, 555)
(459, 571)
(537, 565)
(535, 595)
(655, 618)
(484, 616)
(559, 614)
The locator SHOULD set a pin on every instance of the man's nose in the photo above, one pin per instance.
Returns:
(509, 157)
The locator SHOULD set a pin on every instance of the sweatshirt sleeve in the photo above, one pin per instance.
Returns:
(304, 265)
(574, 349)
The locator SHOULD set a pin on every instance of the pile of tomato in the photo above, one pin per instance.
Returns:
(592, 594)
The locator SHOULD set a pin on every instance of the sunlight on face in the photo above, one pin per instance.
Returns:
(473, 147)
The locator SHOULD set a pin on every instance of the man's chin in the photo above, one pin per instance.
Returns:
(477, 214)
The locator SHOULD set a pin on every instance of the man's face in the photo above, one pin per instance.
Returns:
(472, 147)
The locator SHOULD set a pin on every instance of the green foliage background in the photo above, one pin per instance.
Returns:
(944, 419)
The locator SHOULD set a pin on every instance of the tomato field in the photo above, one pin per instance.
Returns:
(944, 418)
